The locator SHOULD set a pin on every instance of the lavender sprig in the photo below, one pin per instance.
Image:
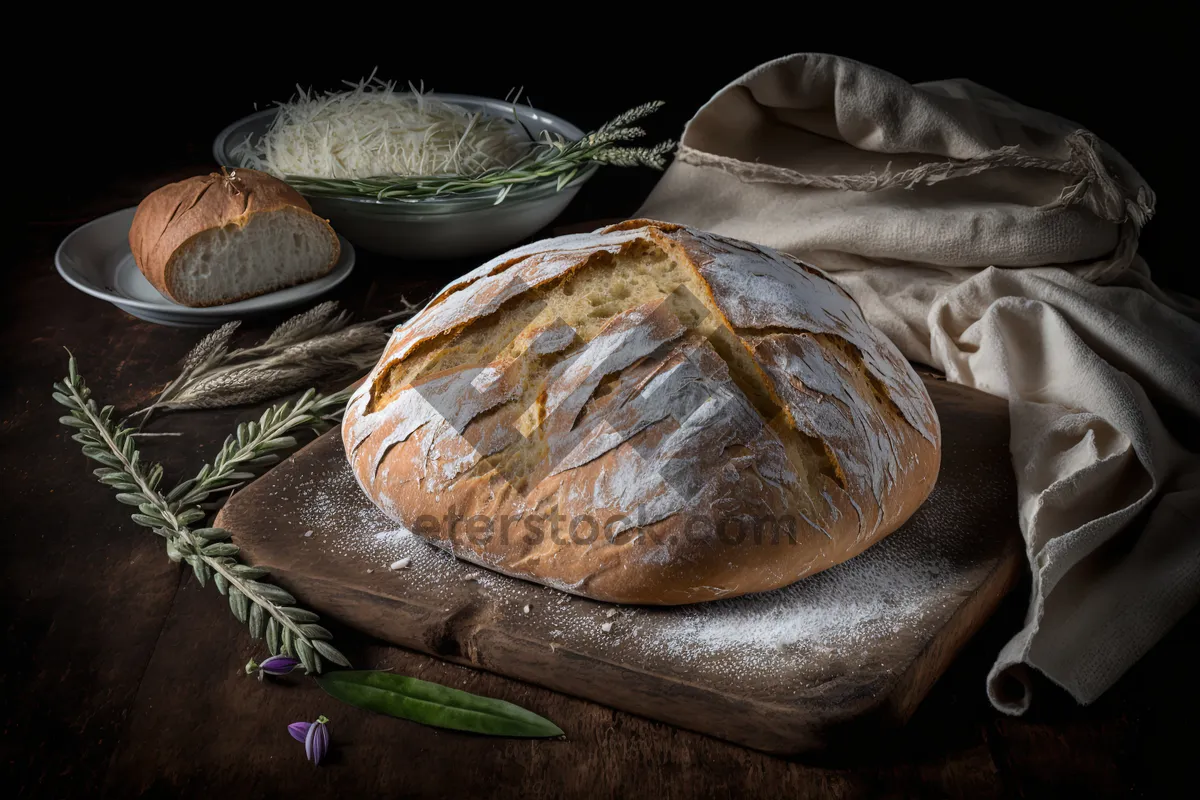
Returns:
(265, 608)
(275, 666)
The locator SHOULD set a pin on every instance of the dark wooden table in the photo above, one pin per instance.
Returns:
(121, 676)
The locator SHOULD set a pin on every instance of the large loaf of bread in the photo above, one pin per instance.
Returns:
(218, 238)
(645, 414)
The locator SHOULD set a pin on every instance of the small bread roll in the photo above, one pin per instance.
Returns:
(223, 237)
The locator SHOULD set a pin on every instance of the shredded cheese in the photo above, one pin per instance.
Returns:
(373, 130)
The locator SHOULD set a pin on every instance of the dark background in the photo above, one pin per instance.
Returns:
(106, 109)
(110, 647)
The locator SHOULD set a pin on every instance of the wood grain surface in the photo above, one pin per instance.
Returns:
(789, 671)
(122, 678)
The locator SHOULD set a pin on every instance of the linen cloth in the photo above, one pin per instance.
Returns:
(997, 243)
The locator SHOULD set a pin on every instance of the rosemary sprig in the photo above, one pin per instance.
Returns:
(254, 445)
(268, 610)
(309, 347)
(552, 158)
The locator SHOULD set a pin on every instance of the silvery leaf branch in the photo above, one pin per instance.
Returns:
(267, 610)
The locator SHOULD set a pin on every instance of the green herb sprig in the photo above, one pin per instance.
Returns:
(553, 157)
(255, 444)
(266, 609)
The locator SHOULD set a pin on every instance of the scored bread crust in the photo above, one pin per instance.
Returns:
(168, 221)
(676, 483)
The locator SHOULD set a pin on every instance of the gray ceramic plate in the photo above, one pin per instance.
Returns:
(96, 259)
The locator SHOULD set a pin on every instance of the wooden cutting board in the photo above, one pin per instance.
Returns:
(797, 669)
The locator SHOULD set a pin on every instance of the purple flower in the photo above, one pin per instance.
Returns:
(275, 665)
(315, 736)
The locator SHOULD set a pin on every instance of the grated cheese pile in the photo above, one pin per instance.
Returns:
(373, 130)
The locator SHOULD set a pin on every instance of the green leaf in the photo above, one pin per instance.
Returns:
(152, 511)
(271, 592)
(220, 549)
(248, 572)
(565, 178)
(299, 614)
(273, 636)
(64, 400)
(103, 456)
(307, 656)
(258, 621)
(147, 522)
(330, 652)
(200, 569)
(285, 644)
(180, 490)
(434, 704)
(220, 582)
(173, 551)
(190, 515)
(239, 605)
(315, 632)
(131, 499)
(211, 534)
(72, 422)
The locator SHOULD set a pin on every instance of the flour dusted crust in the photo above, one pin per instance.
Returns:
(674, 451)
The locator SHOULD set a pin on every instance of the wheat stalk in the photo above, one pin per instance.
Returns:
(317, 344)
(268, 610)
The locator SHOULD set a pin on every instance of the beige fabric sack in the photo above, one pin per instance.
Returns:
(997, 243)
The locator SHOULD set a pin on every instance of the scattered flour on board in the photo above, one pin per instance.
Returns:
(900, 584)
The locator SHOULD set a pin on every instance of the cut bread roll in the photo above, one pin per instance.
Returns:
(219, 238)
(647, 414)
